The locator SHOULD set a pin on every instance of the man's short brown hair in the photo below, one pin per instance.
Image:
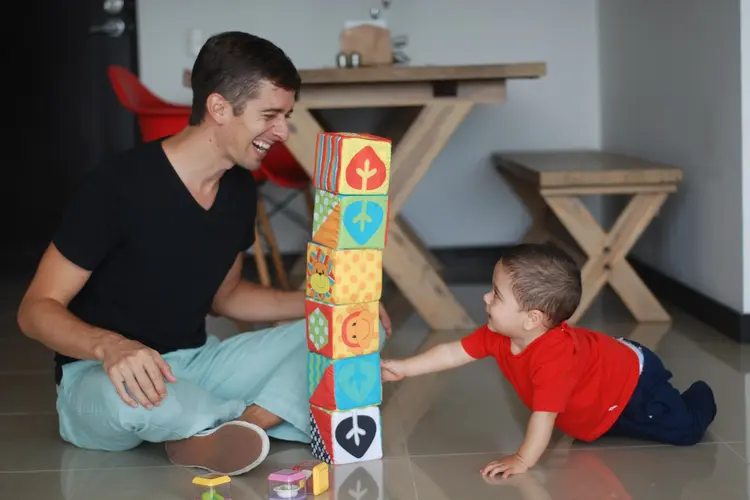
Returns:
(545, 278)
(234, 64)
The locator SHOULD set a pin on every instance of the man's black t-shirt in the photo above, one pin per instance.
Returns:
(157, 256)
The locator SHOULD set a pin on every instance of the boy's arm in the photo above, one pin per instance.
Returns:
(538, 433)
(441, 357)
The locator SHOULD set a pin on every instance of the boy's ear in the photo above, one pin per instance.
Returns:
(534, 319)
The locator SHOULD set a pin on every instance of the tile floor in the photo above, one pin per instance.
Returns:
(438, 431)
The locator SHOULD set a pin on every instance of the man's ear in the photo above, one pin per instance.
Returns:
(218, 108)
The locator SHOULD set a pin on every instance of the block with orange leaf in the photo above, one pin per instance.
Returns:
(342, 331)
(350, 163)
(336, 276)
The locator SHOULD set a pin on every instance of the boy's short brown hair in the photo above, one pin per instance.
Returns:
(545, 278)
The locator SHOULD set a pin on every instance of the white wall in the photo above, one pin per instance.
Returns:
(745, 58)
(560, 110)
(670, 91)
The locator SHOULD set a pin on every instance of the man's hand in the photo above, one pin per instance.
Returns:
(507, 466)
(391, 370)
(386, 321)
(142, 369)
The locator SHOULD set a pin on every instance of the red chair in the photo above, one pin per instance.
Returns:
(156, 118)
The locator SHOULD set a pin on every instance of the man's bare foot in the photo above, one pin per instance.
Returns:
(261, 417)
(232, 448)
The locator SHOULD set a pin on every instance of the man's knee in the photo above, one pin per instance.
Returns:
(93, 407)
(95, 394)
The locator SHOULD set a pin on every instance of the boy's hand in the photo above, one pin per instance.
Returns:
(508, 466)
(390, 370)
(386, 320)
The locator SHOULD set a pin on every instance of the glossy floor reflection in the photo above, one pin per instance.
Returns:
(438, 431)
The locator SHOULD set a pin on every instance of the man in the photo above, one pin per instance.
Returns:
(154, 241)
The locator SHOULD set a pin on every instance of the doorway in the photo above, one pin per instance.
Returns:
(65, 116)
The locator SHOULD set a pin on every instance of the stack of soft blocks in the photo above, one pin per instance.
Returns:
(344, 281)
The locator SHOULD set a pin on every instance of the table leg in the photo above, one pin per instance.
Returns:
(544, 224)
(409, 268)
(607, 252)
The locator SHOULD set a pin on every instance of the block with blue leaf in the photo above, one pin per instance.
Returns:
(350, 221)
(344, 384)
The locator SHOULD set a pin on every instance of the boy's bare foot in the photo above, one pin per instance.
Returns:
(232, 448)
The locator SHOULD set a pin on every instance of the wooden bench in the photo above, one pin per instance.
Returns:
(553, 182)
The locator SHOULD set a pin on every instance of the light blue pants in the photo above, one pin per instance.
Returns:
(215, 383)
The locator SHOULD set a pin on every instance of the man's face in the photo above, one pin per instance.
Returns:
(262, 123)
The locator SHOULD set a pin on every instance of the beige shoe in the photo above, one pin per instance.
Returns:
(232, 448)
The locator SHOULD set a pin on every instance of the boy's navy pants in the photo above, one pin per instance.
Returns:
(658, 412)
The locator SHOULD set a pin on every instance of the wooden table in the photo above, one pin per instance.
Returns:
(555, 181)
(430, 103)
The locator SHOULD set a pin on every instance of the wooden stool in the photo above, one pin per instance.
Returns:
(556, 180)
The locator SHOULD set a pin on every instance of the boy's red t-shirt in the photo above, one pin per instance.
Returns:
(584, 376)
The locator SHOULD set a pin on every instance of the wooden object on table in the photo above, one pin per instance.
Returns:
(443, 96)
(555, 181)
(372, 43)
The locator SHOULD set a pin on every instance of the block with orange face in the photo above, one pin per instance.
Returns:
(343, 276)
(342, 331)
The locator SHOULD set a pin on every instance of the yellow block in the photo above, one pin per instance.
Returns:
(343, 276)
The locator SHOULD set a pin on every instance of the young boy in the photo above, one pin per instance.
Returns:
(583, 382)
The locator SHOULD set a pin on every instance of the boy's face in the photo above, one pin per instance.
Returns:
(504, 315)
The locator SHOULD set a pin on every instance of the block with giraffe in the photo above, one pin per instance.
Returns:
(349, 276)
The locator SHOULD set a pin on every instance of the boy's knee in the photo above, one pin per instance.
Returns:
(692, 433)
(690, 438)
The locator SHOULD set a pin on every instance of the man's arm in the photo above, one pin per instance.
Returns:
(44, 316)
(240, 300)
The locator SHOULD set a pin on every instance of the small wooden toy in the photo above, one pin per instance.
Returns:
(342, 331)
(343, 437)
(213, 487)
(350, 163)
(344, 384)
(343, 276)
(350, 221)
(318, 476)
